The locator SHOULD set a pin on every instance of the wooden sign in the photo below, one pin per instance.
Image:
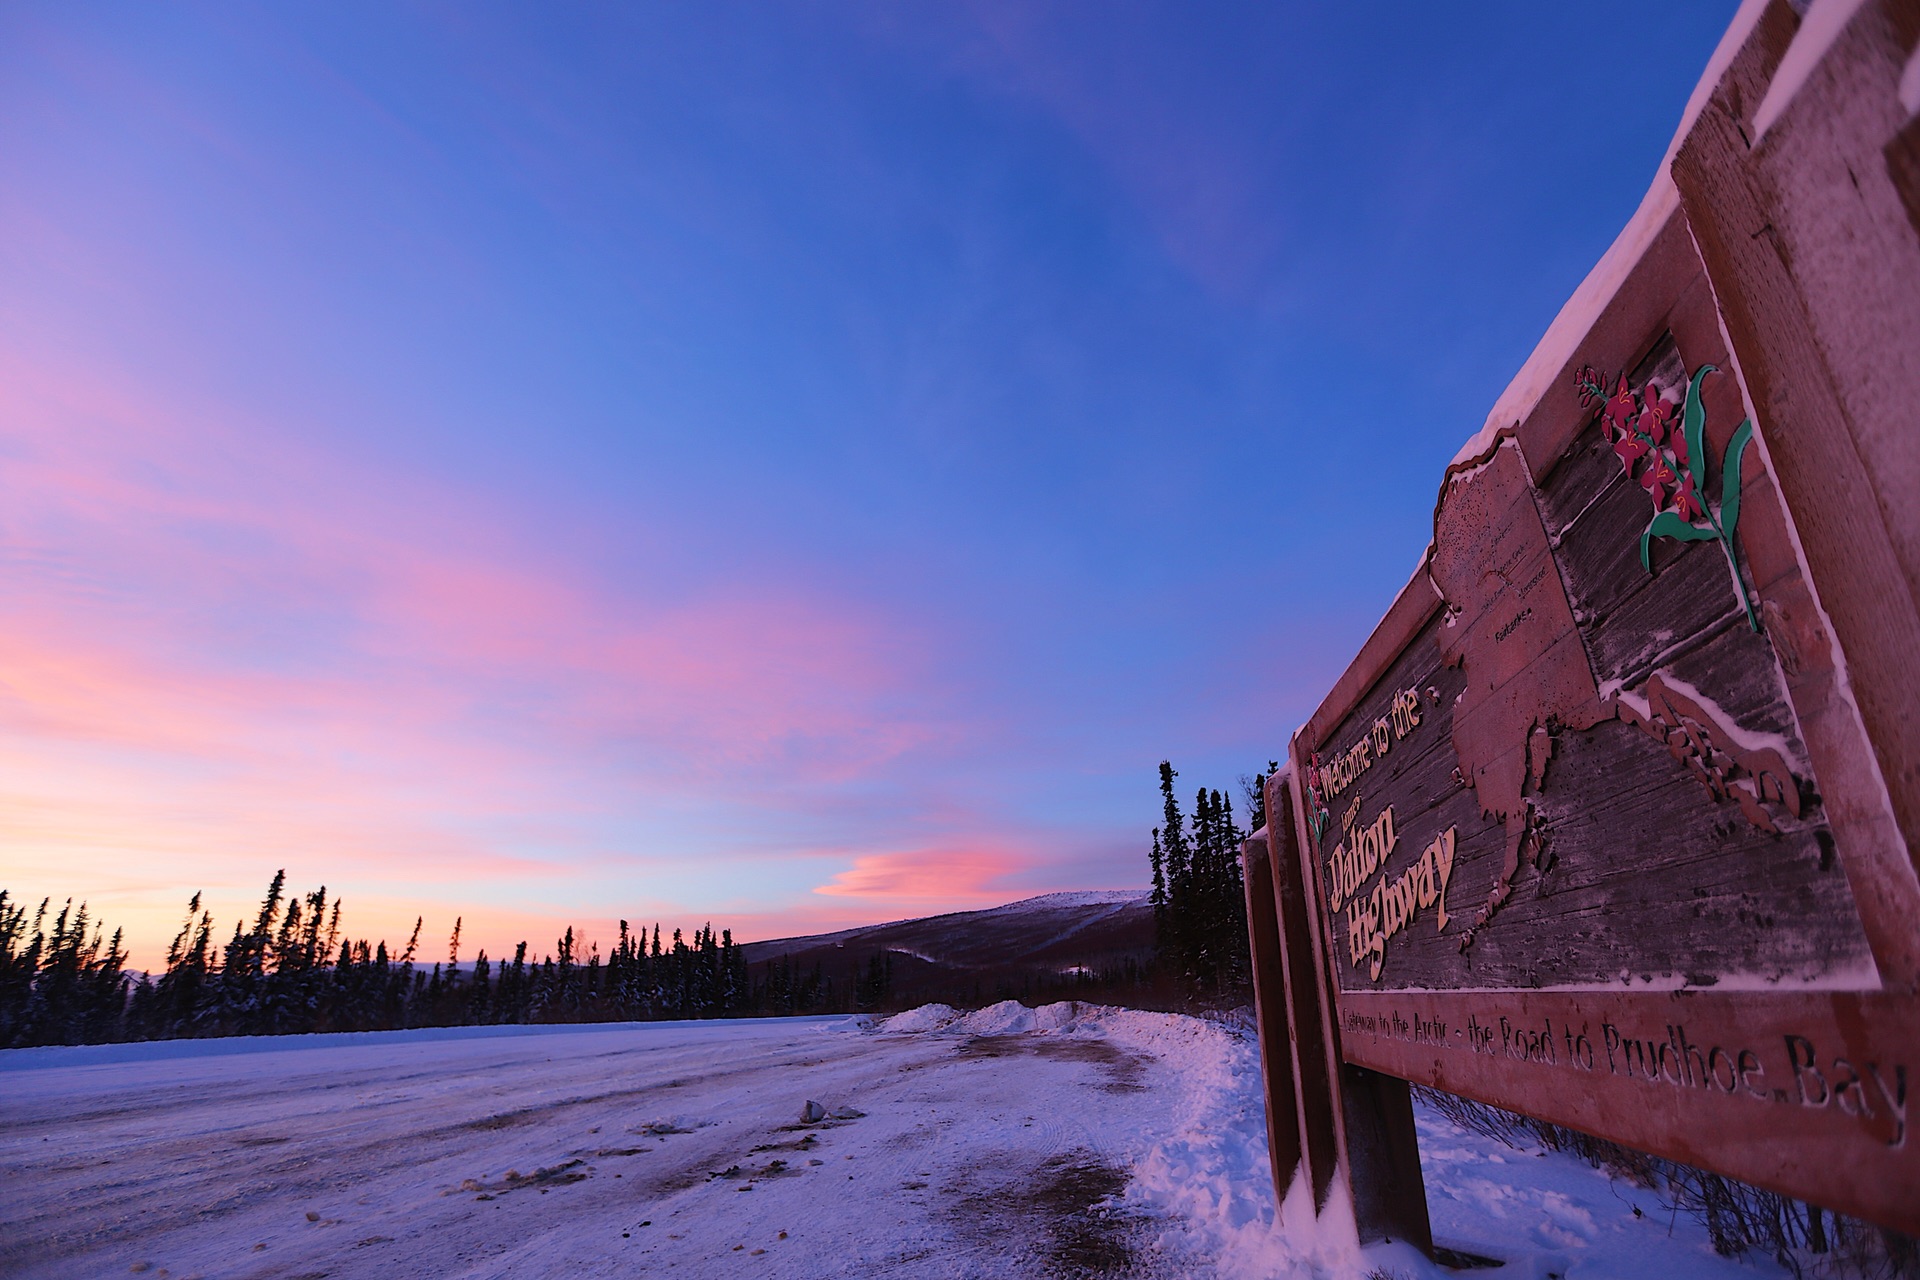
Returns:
(1601, 825)
(1580, 773)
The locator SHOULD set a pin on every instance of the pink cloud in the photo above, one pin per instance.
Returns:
(223, 650)
(426, 622)
(965, 876)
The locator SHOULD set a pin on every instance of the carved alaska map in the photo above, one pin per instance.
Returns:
(1510, 630)
(1582, 771)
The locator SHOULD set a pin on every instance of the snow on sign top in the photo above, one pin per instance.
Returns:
(1576, 317)
(1567, 561)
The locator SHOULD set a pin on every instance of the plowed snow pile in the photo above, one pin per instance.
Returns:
(1070, 1140)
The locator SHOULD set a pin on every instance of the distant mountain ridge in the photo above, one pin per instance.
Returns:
(1022, 945)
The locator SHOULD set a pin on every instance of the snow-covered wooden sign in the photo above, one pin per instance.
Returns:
(1605, 756)
(1604, 824)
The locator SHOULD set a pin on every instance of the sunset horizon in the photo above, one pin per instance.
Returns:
(790, 473)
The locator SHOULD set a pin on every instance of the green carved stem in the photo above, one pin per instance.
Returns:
(1669, 524)
(1730, 512)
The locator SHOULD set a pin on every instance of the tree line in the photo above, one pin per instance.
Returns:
(290, 969)
(1199, 898)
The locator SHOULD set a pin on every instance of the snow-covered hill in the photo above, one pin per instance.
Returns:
(1053, 934)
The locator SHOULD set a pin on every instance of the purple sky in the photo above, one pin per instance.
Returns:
(784, 464)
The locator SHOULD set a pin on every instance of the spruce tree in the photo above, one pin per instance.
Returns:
(1199, 896)
(1178, 855)
(478, 1001)
(1159, 895)
(1255, 790)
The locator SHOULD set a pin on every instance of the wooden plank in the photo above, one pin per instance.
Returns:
(1903, 168)
(1270, 1015)
(1383, 1148)
(1759, 248)
(1354, 1123)
(1417, 602)
(1804, 1093)
(1637, 313)
(1648, 877)
(1836, 212)
(1311, 1044)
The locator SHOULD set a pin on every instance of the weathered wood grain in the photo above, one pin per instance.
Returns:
(1646, 879)
(1808, 1094)
(1819, 298)
(1642, 875)
(1284, 1144)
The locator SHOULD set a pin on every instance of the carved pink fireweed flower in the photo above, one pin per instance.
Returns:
(1620, 411)
(1657, 418)
(1669, 455)
(1593, 390)
(1657, 478)
(1686, 502)
(1318, 815)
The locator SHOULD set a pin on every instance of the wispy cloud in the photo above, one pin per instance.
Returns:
(964, 874)
(225, 649)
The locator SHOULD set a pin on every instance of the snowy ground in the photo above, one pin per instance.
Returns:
(1067, 1141)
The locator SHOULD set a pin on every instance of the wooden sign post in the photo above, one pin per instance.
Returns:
(1613, 820)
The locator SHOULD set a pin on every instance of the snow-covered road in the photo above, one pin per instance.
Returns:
(1017, 1143)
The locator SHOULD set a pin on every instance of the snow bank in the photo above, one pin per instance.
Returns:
(1207, 1178)
(1009, 1017)
(1203, 1181)
(1200, 1181)
(928, 1017)
(1061, 1016)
